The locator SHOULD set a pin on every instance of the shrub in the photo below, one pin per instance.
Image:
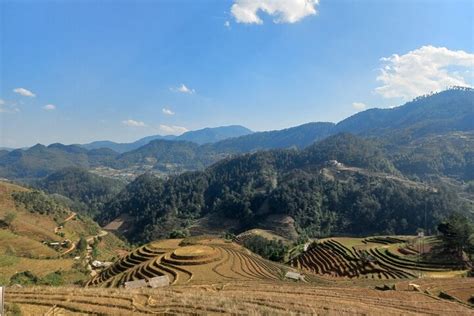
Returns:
(82, 245)
(269, 249)
(24, 278)
(54, 279)
(178, 233)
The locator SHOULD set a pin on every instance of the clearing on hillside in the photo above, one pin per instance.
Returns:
(39, 233)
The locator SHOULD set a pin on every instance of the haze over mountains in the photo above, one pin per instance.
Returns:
(425, 117)
(202, 136)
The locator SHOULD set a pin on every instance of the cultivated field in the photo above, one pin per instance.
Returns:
(216, 276)
(203, 261)
(26, 242)
(238, 298)
(381, 258)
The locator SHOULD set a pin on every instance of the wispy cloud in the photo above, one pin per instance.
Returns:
(359, 106)
(7, 107)
(283, 11)
(183, 89)
(423, 70)
(24, 92)
(227, 24)
(167, 111)
(172, 130)
(133, 123)
(49, 107)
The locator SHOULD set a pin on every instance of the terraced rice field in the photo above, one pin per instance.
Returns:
(212, 260)
(365, 258)
(237, 298)
(456, 289)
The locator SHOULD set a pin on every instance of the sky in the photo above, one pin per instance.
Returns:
(79, 71)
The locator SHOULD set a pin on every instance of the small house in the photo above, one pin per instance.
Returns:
(159, 281)
(135, 284)
(294, 276)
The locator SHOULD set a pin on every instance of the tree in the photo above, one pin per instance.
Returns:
(82, 245)
(456, 232)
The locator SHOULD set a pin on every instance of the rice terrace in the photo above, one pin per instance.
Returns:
(210, 275)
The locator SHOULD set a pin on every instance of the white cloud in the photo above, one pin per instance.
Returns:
(227, 24)
(359, 106)
(24, 92)
(49, 107)
(172, 130)
(183, 89)
(167, 111)
(424, 70)
(283, 11)
(133, 123)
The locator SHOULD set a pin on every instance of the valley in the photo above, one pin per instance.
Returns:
(237, 157)
(307, 220)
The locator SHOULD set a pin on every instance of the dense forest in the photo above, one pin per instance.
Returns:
(88, 192)
(323, 199)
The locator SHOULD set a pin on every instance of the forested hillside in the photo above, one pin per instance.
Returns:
(88, 192)
(360, 194)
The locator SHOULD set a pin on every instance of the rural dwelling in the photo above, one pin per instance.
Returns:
(135, 284)
(96, 264)
(159, 281)
(294, 276)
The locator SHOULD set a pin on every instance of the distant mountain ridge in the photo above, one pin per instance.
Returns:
(425, 117)
(201, 136)
(450, 110)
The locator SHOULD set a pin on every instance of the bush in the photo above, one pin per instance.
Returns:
(24, 278)
(54, 279)
(269, 249)
(82, 245)
(178, 233)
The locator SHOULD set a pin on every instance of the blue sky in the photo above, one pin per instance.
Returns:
(78, 71)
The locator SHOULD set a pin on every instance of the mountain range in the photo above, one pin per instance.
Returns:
(381, 171)
(201, 136)
(424, 118)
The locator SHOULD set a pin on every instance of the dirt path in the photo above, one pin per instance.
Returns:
(70, 217)
(73, 246)
(101, 234)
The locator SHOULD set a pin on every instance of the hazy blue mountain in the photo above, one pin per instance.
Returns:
(435, 118)
(39, 160)
(450, 110)
(299, 136)
(214, 134)
(201, 136)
